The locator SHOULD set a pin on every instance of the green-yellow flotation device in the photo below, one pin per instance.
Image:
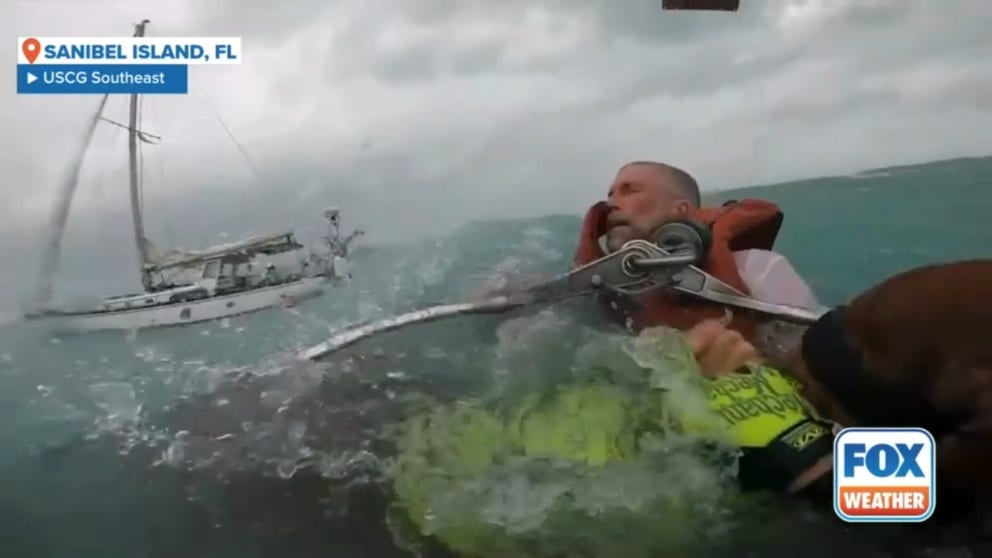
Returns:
(596, 468)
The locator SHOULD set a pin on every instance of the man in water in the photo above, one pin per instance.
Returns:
(646, 195)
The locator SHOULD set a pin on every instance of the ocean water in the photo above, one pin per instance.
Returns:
(114, 444)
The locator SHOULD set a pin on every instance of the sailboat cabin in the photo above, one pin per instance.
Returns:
(183, 276)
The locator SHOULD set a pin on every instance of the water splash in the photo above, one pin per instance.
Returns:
(119, 404)
(559, 473)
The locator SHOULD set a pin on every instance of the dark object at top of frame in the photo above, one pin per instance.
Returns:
(714, 5)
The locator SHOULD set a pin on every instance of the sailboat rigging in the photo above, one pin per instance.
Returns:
(179, 286)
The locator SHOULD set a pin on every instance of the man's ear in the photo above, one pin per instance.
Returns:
(681, 208)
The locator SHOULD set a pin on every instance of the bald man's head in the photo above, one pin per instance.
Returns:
(644, 196)
(681, 182)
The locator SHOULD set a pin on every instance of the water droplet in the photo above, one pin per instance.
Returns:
(286, 469)
(173, 455)
(118, 401)
(297, 430)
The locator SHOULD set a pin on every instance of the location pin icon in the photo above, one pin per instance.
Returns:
(31, 48)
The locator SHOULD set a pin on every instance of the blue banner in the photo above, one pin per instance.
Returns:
(98, 79)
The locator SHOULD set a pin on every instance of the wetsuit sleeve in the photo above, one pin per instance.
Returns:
(775, 466)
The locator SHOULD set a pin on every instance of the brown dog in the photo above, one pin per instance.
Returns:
(915, 350)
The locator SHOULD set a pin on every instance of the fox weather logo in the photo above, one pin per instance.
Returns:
(884, 475)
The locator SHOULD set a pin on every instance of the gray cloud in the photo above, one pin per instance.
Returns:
(418, 116)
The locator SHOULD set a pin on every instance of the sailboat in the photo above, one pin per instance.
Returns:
(181, 287)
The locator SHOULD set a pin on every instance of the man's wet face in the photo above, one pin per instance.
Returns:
(640, 202)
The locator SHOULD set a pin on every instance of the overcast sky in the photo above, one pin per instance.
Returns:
(393, 109)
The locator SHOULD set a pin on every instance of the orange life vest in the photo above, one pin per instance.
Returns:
(747, 224)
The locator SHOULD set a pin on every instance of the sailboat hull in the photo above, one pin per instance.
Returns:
(181, 313)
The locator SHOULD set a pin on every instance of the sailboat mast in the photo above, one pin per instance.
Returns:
(132, 147)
